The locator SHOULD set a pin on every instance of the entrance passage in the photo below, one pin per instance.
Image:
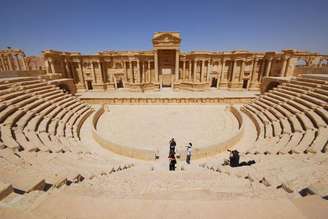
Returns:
(64, 87)
(89, 85)
(245, 83)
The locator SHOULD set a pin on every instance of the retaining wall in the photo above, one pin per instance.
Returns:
(137, 153)
(212, 150)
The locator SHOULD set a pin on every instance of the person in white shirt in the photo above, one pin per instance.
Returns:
(189, 151)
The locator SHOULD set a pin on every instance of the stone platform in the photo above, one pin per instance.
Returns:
(168, 96)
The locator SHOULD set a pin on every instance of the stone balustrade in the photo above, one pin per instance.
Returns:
(146, 100)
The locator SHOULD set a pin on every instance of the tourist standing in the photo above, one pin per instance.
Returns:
(189, 151)
(172, 145)
(172, 161)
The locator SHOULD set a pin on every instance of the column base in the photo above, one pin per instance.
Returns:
(110, 86)
(235, 86)
(151, 87)
(80, 90)
(80, 86)
(99, 87)
(254, 86)
(222, 85)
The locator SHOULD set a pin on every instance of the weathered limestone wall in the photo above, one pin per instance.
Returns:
(32, 73)
(66, 84)
(299, 70)
(269, 83)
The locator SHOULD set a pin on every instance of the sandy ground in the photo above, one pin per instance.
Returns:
(152, 126)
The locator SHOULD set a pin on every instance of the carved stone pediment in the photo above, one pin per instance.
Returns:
(166, 40)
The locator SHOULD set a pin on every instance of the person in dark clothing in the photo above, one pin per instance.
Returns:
(173, 162)
(172, 146)
(234, 158)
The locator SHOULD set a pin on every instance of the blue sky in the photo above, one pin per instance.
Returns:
(96, 25)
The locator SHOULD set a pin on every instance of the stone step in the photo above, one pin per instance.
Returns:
(69, 206)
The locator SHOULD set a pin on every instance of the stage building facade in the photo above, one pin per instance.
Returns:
(167, 66)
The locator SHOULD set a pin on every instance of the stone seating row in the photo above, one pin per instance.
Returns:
(292, 139)
(25, 119)
(312, 80)
(12, 83)
(26, 172)
(291, 174)
(295, 121)
(34, 103)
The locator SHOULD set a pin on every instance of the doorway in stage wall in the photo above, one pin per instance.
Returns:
(166, 66)
(119, 83)
(245, 83)
(214, 82)
(89, 85)
(167, 77)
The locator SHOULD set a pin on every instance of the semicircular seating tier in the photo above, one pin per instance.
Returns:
(291, 118)
(40, 143)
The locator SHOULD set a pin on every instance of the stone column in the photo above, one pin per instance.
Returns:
(209, 70)
(100, 73)
(184, 70)
(233, 70)
(93, 72)
(149, 72)
(189, 71)
(218, 72)
(24, 63)
(261, 70)
(283, 67)
(222, 73)
(52, 67)
(177, 65)
(286, 68)
(253, 69)
(81, 76)
(138, 71)
(253, 79)
(9, 63)
(129, 72)
(132, 78)
(67, 69)
(17, 62)
(242, 69)
(143, 72)
(202, 70)
(195, 70)
(268, 69)
(3, 63)
(125, 72)
(156, 66)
